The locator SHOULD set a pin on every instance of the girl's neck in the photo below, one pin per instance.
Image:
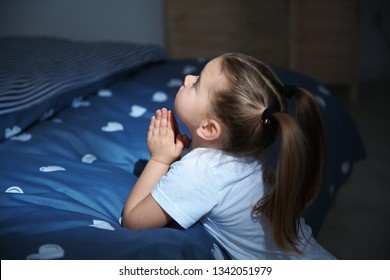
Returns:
(198, 142)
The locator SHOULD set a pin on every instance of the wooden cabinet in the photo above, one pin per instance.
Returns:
(314, 37)
(325, 41)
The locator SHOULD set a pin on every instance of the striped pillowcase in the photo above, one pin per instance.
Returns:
(39, 72)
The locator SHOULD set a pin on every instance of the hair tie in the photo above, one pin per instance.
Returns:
(267, 115)
(288, 90)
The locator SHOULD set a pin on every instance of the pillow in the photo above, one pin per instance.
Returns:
(40, 76)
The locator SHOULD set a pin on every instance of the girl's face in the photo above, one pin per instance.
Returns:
(193, 98)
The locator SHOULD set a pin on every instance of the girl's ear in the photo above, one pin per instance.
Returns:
(209, 130)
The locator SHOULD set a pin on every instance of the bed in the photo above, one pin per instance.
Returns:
(73, 121)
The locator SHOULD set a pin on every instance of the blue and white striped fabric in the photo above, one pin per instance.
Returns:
(38, 71)
(32, 69)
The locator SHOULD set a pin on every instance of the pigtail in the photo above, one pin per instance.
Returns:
(284, 204)
(308, 115)
(299, 172)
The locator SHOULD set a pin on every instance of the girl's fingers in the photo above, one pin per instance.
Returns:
(162, 124)
(169, 118)
(151, 125)
(158, 119)
(164, 118)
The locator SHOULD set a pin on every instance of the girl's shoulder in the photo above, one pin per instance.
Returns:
(214, 158)
(202, 158)
(207, 156)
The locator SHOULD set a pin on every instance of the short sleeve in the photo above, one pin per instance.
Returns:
(187, 192)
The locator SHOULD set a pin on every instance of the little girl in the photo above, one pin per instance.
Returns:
(235, 109)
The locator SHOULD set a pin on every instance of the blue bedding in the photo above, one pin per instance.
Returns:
(64, 178)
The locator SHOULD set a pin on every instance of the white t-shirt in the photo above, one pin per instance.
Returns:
(220, 190)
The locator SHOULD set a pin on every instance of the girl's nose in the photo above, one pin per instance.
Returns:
(189, 80)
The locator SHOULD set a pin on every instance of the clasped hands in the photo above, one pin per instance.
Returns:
(165, 143)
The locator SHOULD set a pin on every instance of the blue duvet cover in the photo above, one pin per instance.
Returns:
(64, 177)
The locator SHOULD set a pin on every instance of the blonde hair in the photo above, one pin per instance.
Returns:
(251, 88)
